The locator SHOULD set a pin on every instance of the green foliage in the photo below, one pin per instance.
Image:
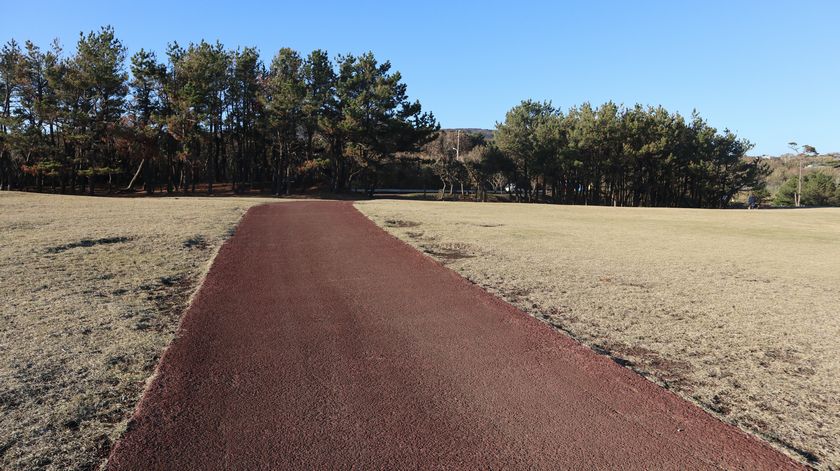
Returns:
(377, 119)
(217, 115)
(624, 156)
(529, 137)
(208, 113)
(786, 194)
(818, 189)
(784, 167)
(98, 71)
(146, 86)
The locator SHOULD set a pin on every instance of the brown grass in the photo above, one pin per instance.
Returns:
(734, 310)
(92, 290)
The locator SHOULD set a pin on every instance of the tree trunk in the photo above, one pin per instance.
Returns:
(149, 177)
(130, 186)
(168, 173)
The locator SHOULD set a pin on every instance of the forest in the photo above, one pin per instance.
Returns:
(605, 155)
(205, 117)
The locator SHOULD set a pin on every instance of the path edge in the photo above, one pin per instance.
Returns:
(184, 311)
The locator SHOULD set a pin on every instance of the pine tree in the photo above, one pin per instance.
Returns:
(377, 119)
(10, 64)
(97, 74)
(245, 113)
(146, 88)
(285, 95)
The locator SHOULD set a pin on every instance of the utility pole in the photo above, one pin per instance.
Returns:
(798, 196)
(799, 186)
(458, 147)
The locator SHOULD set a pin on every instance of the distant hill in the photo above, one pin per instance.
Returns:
(487, 133)
(828, 156)
(787, 166)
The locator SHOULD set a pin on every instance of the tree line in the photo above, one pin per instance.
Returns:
(97, 120)
(90, 121)
(607, 155)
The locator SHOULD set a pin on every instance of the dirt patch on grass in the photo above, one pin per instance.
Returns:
(196, 242)
(87, 243)
(699, 301)
(400, 223)
(92, 290)
(670, 373)
(449, 252)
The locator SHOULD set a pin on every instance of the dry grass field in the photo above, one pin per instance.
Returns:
(735, 310)
(92, 290)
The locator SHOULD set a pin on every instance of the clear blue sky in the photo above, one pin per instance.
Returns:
(768, 70)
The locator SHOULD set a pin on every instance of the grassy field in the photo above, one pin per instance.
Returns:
(735, 310)
(92, 290)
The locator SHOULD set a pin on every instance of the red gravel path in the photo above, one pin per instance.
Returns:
(318, 341)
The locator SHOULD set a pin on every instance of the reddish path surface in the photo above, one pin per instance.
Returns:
(318, 341)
